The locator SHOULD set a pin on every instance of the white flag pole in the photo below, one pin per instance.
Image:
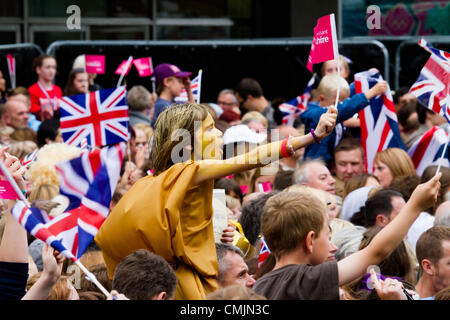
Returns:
(93, 279)
(130, 58)
(336, 55)
(443, 154)
(200, 72)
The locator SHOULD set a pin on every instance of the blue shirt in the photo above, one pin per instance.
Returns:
(33, 123)
(311, 116)
(160, 106)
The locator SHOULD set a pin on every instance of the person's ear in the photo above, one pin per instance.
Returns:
(160, 296)
(381, 220)
(167, 81)
(322, 97)
(309, 241)
(5, 119)
(427, 267)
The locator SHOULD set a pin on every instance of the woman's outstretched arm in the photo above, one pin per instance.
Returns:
(264, 154)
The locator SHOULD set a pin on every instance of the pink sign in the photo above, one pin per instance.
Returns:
(144, 66)
(265, 186)
(7, 190)
(95, 63)
(324, 45)
(121, 68)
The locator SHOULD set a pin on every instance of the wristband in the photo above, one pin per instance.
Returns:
(284, 152)
(314, 136)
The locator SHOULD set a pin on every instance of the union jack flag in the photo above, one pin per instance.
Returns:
(263, 252)
(379, 126)
(432, 87)
(72, 231)
(101, 117)
(30, 158)
(78, 174)
(42, 226)
(195, 88)
(427, 150)
(293, 108)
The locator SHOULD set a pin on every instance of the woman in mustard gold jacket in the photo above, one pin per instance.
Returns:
(170, 212)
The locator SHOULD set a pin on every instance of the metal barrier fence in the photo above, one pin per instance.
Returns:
(279, 64)
(24, 54)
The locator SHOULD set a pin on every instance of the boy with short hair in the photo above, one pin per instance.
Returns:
(433, 254)
(170, 81)
(295, 227)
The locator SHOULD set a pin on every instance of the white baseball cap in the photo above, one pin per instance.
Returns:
(242, 133)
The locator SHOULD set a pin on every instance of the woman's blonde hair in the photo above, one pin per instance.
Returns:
(168, 134)
(255, 115)
(397, 160)
(146, 128)
(60, 291)
(21, 148)
(42, 173)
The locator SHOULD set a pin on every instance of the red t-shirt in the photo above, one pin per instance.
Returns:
(36, 94)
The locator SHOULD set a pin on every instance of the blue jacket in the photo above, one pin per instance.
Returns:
(311, 116)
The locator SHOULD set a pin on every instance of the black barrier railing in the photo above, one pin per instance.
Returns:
(24, 54)
(410, 58)
(279, 65)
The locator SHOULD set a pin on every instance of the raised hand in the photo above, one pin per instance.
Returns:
(326, 123)
(389, 289)
(52, 262)
(425, 194)
(14, 167)
(376, 90)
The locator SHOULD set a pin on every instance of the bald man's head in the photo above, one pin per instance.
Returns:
(16, 114)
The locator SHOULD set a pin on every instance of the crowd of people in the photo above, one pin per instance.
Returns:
(304, 218)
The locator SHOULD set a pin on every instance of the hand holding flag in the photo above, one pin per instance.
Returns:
(10, 168)
(191, 87)
(326, 123)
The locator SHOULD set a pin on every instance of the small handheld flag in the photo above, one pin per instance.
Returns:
(123, 69)
(12, 69)
(195, 87)
(94, 63)
(144, 66)
(432, 87)
(324, 46)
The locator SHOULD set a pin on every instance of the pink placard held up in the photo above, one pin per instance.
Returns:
(7, 190)
(95, 63)
(122, 67)
(324, 45)
(144, 66)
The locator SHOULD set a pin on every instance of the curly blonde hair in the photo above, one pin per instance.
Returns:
(42, 173)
